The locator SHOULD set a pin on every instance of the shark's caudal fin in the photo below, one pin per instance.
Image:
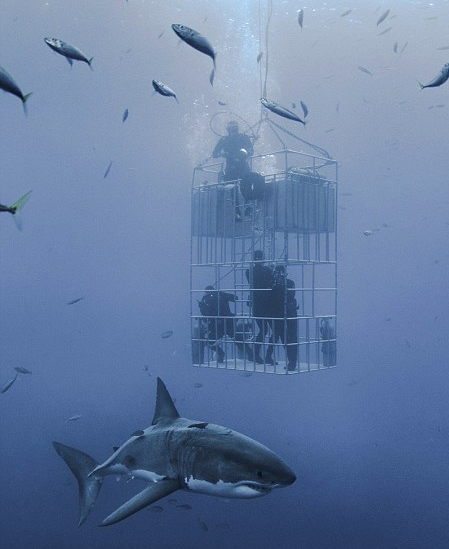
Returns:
(147, 496)
(165, 409)
(81, 465)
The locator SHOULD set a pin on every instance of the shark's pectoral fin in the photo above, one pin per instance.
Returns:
(155, 491)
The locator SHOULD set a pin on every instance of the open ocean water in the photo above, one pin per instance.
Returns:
(108, 221)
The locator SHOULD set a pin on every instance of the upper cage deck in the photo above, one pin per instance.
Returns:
(299, 196)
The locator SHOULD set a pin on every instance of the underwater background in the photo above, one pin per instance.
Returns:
(368, 440)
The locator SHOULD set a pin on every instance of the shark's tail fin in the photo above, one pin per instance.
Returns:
(81, 465)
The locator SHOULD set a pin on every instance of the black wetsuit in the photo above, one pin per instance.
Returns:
(236, 162)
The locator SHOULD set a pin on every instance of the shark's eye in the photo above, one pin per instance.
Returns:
(259, 474)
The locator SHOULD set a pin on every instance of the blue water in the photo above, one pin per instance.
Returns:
(367, 440)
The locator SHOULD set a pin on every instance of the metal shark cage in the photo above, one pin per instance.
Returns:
(290, 215)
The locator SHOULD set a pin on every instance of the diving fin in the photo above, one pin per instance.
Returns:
(155, 491)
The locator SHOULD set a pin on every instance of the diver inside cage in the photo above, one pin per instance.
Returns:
(220, 321)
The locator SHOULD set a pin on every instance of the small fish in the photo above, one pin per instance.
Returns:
(385, 31)
(383, 17)
(197, 385)
(184, 506)
(337, 107)
(8, 84)
(365, 70)
(161, 34)
(166, 334)
(77, 300)
(281, 111)
(8, 384)
(195, 40)
(71, 53)
(17, 206)
(21, 370)
(443, 48)
(305, 110)
(108, 169)
(222, 103)
(440, 79)
(403, 47)
(395, 47)
(367, 232)
(156, 509)
(75, 417)
(163, 89)
(293, 105)
(125, 115)
(259, 57)
(345, 13)
(211, 77)
(203, 525)
(330, 130)
(300, 18)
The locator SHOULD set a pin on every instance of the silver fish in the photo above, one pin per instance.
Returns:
(345, 13)
(383, 17)
(300, 18)
(259, 57)
(441, 78)
(8, 384)
(108, 169)
(385, 31)
(395, 47)
(21, 370)
(305, 110)
(194, 39)
(8, 84)
(166, 334)
(365, 70)
(76, 417)
(281, 111)
(71, 53)
(163, 89)
(125, 115)
(73, 301)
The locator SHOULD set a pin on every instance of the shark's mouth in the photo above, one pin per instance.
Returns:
(261, 489)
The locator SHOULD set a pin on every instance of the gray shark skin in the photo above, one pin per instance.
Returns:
(177, 453)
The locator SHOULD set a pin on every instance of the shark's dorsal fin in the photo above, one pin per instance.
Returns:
(165, 409)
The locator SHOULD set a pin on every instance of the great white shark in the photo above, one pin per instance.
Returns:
(177, 453)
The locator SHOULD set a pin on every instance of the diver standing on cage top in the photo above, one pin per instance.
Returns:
(236, 148)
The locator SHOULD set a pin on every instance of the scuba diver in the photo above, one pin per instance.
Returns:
(220, 322)
(236, 148)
